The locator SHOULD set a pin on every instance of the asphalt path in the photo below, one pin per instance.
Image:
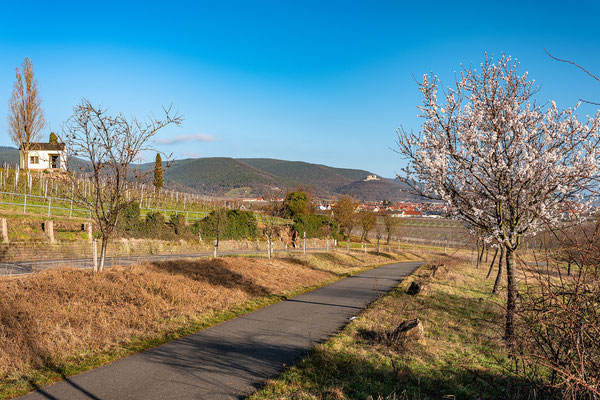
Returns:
(235, 358)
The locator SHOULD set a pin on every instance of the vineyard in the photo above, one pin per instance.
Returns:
(52, 194)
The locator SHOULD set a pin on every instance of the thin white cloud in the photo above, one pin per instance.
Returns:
(190, 154)
(196, 137)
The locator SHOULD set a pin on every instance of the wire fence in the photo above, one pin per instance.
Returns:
(26, 258)
(19, 258)
(29, 267)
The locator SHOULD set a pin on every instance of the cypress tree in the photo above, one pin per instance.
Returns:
(53, 138)
(158, 173)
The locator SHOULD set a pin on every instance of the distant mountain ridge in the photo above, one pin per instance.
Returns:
(246, 177)
(252, 177)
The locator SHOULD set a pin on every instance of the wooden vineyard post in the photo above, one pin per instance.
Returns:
(304, 245)
(95, 255)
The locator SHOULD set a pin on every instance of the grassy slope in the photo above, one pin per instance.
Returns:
(460, 354)
(60, 322)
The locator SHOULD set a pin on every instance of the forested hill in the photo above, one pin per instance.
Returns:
(246, 177)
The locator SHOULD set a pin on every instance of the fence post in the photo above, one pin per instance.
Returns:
(215, 250)
(90, 232)
(4, 229)
(25, 203)
(304, 243)
(49, 229)
(95, 254)
(71, 209)
(49, 205)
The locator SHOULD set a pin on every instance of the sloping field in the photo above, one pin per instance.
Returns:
(60, 322)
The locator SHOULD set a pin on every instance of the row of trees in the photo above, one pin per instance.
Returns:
(348, 218)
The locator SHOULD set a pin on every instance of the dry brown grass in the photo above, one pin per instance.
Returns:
(460, 355)
(67, 315)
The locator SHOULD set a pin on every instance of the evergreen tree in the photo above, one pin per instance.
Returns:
(158, 173)
(53, 138)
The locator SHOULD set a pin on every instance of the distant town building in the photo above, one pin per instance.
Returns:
(371, 178)
(44, 156)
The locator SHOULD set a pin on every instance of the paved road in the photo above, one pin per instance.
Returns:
(13, 268)
(233, 359)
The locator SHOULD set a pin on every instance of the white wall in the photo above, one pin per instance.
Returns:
(44, 159)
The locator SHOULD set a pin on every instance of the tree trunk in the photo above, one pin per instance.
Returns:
(481, 254)
(500, 275)
(511, 298)
(477, 265)
(102, 254)
(492, 265)
(269, 247)
(348, 244)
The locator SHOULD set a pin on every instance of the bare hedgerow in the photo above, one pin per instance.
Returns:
(558, 320)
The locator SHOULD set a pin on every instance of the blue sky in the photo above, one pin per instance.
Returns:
(319, 81)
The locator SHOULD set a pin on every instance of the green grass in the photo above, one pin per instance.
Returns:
(461, 354)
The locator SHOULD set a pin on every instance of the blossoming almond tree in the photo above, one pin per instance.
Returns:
(504, 162)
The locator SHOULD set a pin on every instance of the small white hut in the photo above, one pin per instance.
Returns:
(44, 156)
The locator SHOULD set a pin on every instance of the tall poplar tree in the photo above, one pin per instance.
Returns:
(158, 173)
(25, 114)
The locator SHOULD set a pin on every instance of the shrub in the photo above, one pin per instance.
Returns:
(154, 225)
(129, 222)
(236, 225)
(240, 225)
(315, 226)
(177, 223)
(295, 204)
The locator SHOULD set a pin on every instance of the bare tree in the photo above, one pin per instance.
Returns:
(558, 329)
(367, 221)
(344, 213)
(392, 226)
(272, 211)
(506, 164)
(25, 115)
(108, 144)
(216, 224)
